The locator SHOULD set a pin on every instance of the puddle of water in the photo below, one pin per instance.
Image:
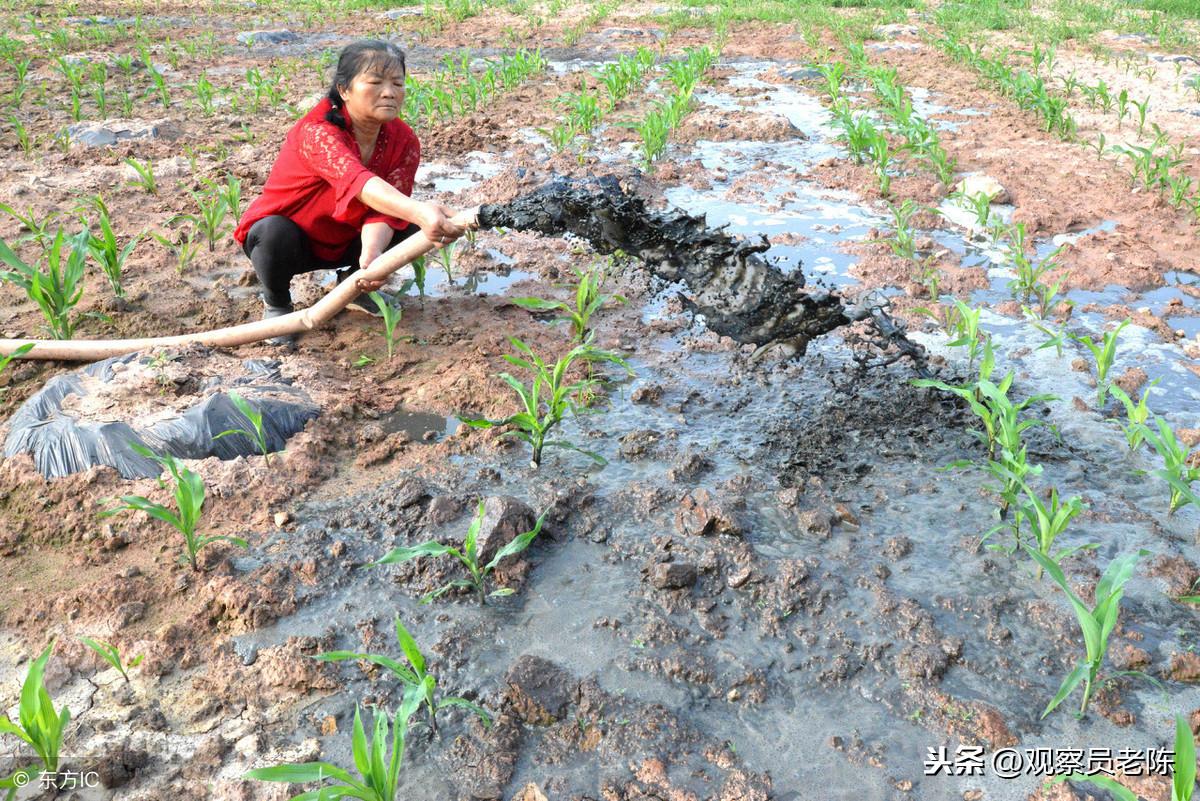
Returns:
(420, 426)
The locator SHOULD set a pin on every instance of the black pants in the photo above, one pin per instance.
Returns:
(279, 251)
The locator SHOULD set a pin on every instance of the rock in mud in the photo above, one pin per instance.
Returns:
(817, 522)
(640, 444)
(504, 519)
(1185, 667)
(673, 575)
(540, 691)
(701, 514)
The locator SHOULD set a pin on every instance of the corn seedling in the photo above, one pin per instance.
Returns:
(1104, 351)
(833, 75)
(1179, 470)
(588, 300)
(965, 326)
(378, 774)
(145, 180)
(256, 433)
(1135, 413)
(58, 288)
(446, 257)
(417, 682)
(184, 246)
(1142, 109)
(230, 193)
(189, 503)
(37, 724)
(1047, 520)
(205, 94)
(107, 252)
(468, 555)
(548, 398)
(1096, 622)
(904, 237)
(24, 141)
(38, 228)
(1183, 778)
(211, 220)
(391, 317)
(110, 654)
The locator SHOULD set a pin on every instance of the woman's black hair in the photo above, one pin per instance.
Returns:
(355, 59)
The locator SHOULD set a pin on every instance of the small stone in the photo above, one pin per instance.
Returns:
(1185, 667)
(739, 578)
(282, 519)
(649, 394)
(504, 519)
(674, 575)
(816, 522)
(897, 548)
(540, 691)
(733, 695)
(842, 514)
(133, 571)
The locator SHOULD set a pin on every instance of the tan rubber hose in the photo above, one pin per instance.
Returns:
(295, 323)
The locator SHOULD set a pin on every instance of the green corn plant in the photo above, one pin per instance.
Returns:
(107, 252)
(1183, 779)
(230, 193)
(110, 654)
(1096, 622)
(58, 288)
(189, 502)
(548, 398)
(160, 87)
(38, 725)
(1135, 413)
(1104, 351)
(391, 317)
(256, 433)
(468, 555)
(205, 94)
(16, 354)
(145, 180)
(24, 140)
(38, 227)
(880, 156)
(1122, 107)
(211, 220)
(184, 246)
(446, 257)
(589, 298)
(833, 75)
(379, 775)
(1179, 470)
(415, 678)
(965, 326)
(1142, 108)
(1048, 520)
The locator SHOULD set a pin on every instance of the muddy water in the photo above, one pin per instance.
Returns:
(900, 638)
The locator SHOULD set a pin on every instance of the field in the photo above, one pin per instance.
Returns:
(854, 565)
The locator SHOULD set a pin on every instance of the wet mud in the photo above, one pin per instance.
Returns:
(739, 293)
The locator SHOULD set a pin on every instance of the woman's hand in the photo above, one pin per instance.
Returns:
(434, 221)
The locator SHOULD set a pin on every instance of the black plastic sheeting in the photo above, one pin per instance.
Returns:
(61, 445)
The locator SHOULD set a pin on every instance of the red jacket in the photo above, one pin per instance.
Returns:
(319, 173)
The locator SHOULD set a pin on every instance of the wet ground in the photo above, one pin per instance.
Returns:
(771, 585)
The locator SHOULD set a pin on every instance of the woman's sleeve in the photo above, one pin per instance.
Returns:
(330, 157)
(402, 175)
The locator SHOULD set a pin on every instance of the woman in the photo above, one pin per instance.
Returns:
(339, 193)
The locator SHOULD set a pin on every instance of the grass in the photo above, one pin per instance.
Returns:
(548, 398)
(468, 555)
(38, 725)
(418, 684)
(1096, 622)
(188, 491)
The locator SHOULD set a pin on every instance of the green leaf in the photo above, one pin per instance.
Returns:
(409, 646)
(399, 555)
(539, 304)
(1184, 781)
(1068, 686)
(299, 773)
(518, 544)
(465, 704)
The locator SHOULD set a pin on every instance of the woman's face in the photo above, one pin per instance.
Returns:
(375, 95)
